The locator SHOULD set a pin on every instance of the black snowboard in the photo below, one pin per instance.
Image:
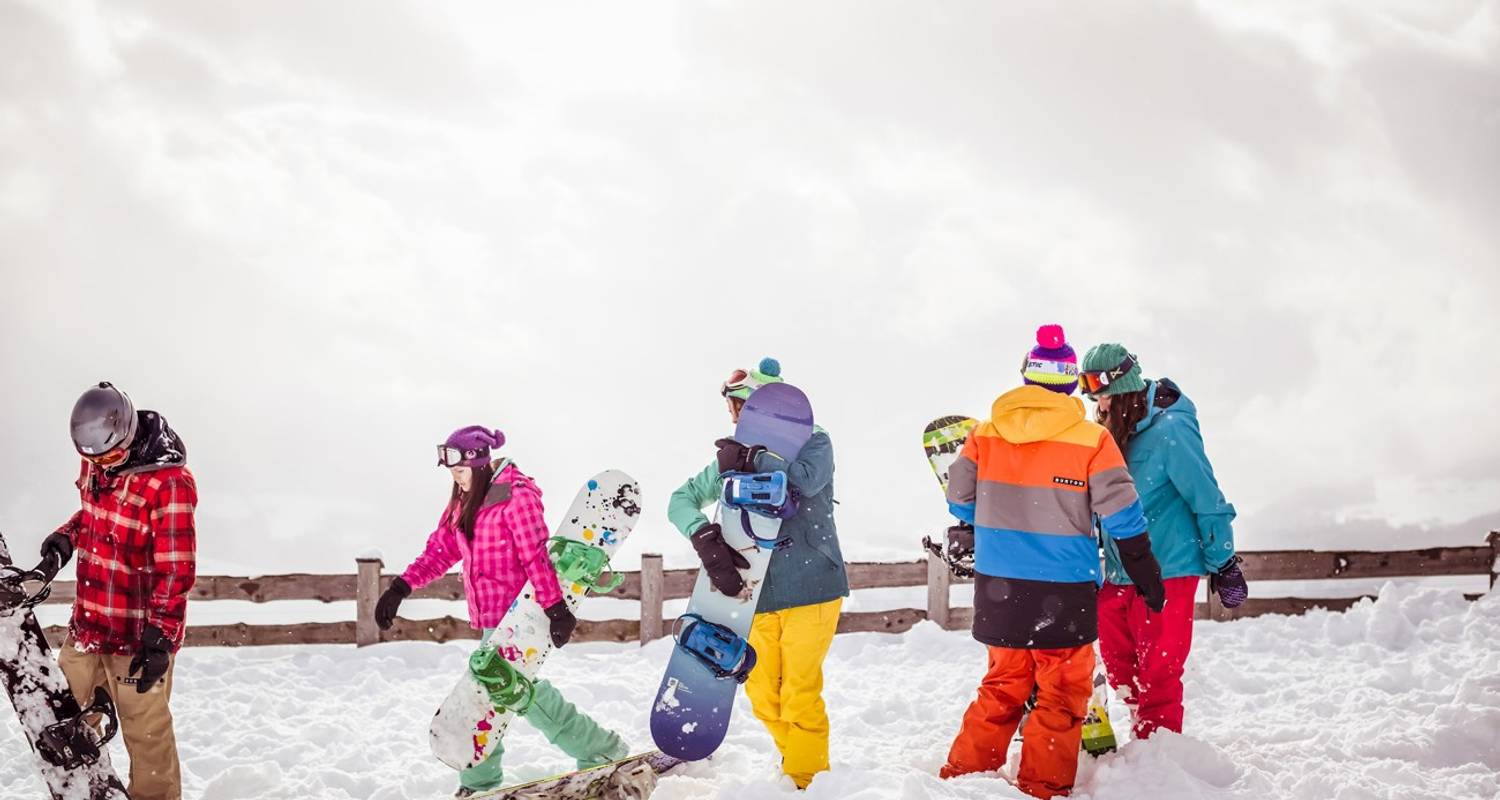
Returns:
(40, 695)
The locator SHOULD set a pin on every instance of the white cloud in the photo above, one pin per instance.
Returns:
(319, 237)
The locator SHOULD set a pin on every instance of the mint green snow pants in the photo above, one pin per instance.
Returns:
(572, 731)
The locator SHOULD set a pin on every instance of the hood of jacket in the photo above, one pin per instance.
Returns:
(156, 446)
(508, 474)
(1033, 414)
(1163, 395)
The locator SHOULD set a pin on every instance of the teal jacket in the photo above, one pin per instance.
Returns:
(808, 567)
(1186, 514)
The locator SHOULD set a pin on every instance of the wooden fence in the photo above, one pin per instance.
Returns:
(652, 586)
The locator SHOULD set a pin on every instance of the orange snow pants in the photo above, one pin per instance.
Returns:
(1049, 746)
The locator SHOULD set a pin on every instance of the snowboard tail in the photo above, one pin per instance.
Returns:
(1098, 733)
(72, 760)
(630, 778)
(942, 439)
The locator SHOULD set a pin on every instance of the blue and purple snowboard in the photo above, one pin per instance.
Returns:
(690, 715)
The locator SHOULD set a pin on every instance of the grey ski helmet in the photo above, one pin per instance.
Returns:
(103, 420)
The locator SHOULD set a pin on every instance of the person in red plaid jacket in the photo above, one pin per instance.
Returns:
(136, 548)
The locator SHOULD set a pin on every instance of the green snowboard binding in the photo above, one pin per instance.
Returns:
(509, 690)
(583, 564)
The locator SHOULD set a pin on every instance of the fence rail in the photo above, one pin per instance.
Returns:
(653, 585)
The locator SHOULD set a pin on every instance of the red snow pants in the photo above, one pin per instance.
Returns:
(1144, 652)
(1049, 744)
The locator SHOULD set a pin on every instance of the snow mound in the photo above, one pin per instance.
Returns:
(1395, 699)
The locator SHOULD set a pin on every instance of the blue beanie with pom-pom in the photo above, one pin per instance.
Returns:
(741, 383)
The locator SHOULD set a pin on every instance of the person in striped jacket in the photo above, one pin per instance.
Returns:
(136, 544)
(493, 524)
(1032, 481)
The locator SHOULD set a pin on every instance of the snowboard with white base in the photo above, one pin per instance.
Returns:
(71, 757)
(691, 711)
(468, 726)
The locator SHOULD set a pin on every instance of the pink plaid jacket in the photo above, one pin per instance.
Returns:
(509, 548)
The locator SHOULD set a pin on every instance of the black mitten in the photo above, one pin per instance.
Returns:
(722, 562)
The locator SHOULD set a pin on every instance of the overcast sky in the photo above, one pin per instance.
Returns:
(319, 236)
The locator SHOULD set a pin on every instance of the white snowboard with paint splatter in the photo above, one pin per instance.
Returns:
(467, 727)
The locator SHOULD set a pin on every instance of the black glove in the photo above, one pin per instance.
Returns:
(563, 622)
(152, 659)
(390, 601)
(1141, 566)
(57, 546)
(961, 541)
(1229, 583)
(735, 457)
(722, 562)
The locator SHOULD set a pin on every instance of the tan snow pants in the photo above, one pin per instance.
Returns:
(145, 719)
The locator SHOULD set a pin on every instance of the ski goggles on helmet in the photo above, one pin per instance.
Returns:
(737, 380)
(1096, 381)
(449, 456)
(110, 459)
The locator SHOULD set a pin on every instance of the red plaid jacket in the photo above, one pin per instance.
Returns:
(136, 549)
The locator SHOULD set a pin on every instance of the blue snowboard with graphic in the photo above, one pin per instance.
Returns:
(690, 714)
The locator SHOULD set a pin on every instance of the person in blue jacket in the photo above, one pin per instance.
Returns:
(1189, 523)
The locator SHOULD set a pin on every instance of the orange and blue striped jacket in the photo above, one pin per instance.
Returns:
(1031, 481)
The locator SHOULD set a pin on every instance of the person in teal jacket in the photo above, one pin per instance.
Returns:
(1189, 522)
(803, 591)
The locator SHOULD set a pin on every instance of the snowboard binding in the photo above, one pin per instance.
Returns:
(720, 649)
(959, 552)
(766, 494)
(508, 689)
(583, 564)
(73, 743)
(26, 588)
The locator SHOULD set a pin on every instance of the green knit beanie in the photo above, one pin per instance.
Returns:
(742, 383)
(1107, 356)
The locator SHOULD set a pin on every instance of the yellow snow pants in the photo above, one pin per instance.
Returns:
(786, 686)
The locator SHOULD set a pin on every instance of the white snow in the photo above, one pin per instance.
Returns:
(1395, 699)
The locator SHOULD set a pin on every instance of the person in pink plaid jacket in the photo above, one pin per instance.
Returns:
(493, 524)
(497, 532)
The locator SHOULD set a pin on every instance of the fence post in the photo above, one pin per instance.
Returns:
(366, 593)
(938, 580)
(1494, 540)
(1216, 610)
(651, 597)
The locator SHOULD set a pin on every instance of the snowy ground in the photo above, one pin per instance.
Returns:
(1399, 698)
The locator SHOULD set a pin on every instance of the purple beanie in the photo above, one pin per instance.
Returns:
(1052, 364)
(476, 440)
